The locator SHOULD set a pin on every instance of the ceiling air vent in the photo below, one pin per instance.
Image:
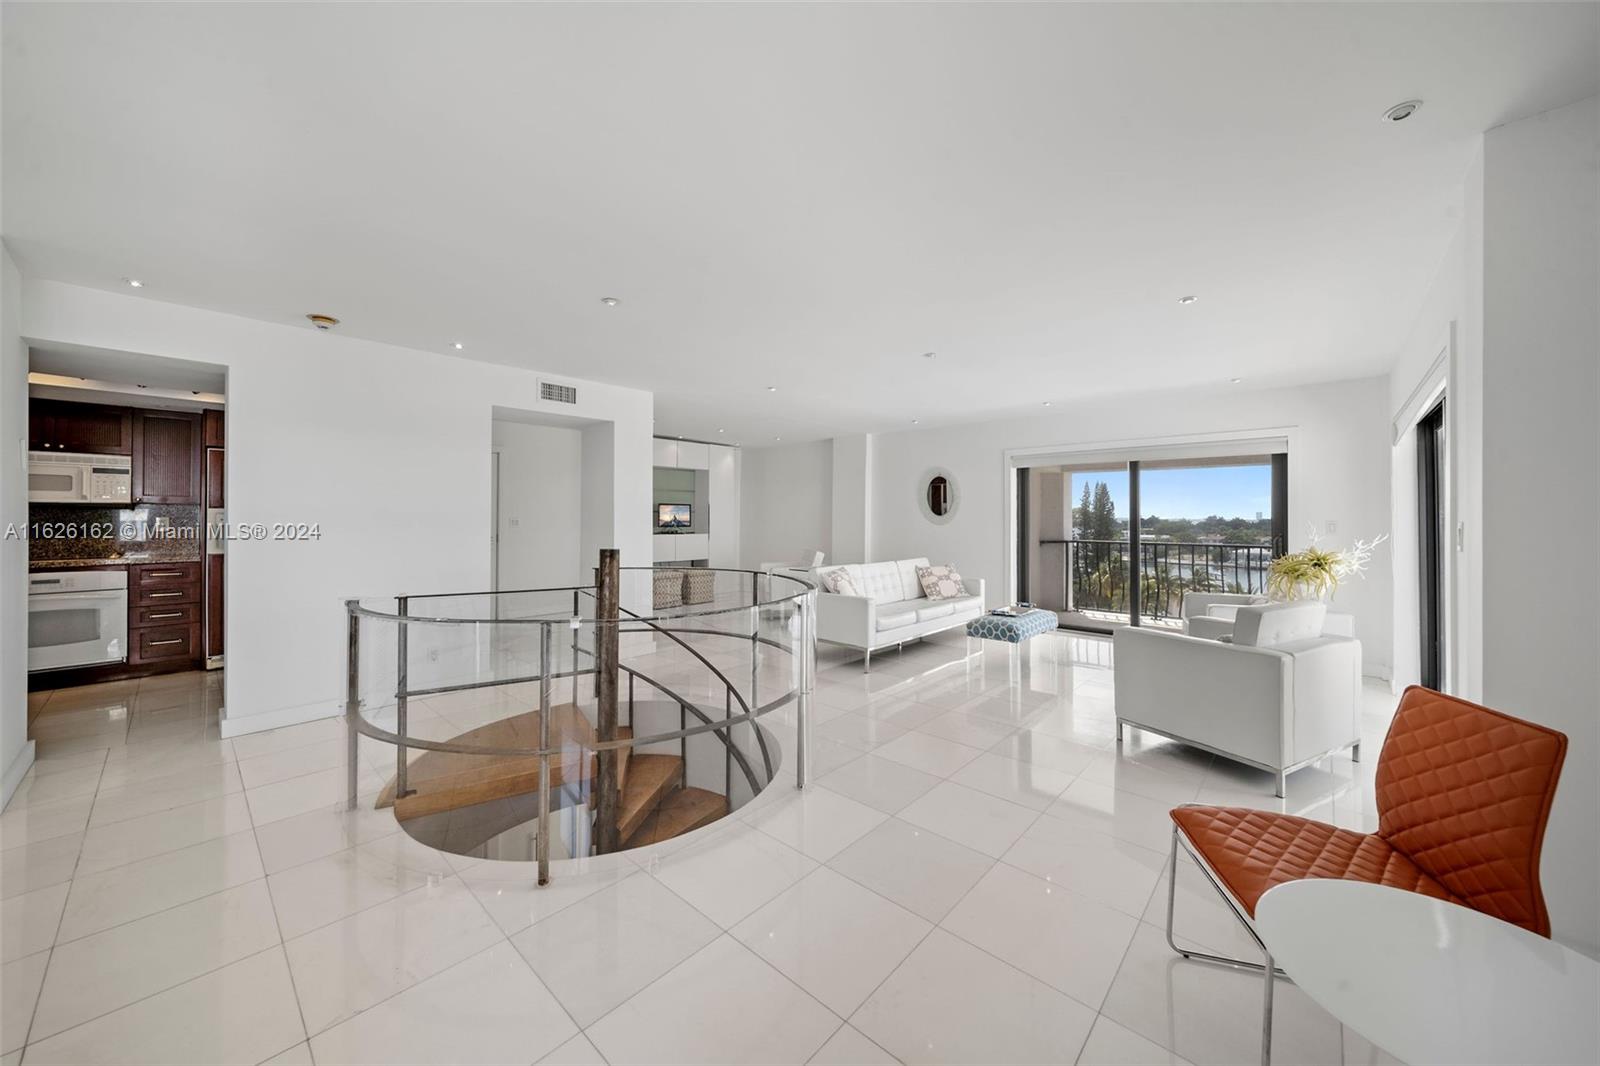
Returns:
(549, 390)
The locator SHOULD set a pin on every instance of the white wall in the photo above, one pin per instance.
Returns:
(541, 499)
(786, 502)
(1444, 347)
(1541, 453)
(851, 530)
(385, 447)
(1338, 470)
(16, 751)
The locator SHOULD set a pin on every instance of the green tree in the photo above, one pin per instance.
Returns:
(1103, 514)
(1081, 513)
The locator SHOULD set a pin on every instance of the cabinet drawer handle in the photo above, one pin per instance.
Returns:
(174, 592)
(158, 643)
(167, 614)
(165, 573)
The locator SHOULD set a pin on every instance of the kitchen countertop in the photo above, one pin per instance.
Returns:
(81, 564)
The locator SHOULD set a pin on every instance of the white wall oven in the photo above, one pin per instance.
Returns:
(67, 477)
(77, 618)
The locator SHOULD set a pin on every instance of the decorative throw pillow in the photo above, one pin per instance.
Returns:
(838, 582)
(940, 582)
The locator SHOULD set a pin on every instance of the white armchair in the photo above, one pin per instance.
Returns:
(1211, 614)
(812, 560)
(1278, 695)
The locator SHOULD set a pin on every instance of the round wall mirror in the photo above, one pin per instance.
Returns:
(936, 493)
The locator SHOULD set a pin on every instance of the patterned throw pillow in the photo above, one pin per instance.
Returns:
(940, 582)
(838, 582)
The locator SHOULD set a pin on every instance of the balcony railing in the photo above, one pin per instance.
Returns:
(1097, 574)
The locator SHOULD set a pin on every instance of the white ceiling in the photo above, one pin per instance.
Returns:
(804, 196)
(134, 369)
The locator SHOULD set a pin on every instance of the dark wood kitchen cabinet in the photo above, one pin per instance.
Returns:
(164, 605)
(62, 426)
(166, 457)
(213, 426)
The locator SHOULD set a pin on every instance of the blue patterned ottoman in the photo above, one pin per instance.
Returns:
(1012, 630)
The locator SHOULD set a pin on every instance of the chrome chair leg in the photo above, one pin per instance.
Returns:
(1194, 953)
(1268, 980)
(1267, 969)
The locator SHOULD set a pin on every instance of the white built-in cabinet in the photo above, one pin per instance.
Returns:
(722, 491)
(716, 535)
(685, 454)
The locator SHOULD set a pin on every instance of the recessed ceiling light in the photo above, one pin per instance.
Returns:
(1234, 381)
(1047, 403)
(1186, 300)
(141, 386)
(323, 322)
(916, 421)
(777, 438)
(772, 388)
(610, 301)
(929, 355)
(1402, 111)
(133, 283)
(458, 346)
(722, 431)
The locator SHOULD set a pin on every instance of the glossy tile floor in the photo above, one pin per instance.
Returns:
(977, 876)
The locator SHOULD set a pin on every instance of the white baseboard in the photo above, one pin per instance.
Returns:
(241, 725)
(15, 773)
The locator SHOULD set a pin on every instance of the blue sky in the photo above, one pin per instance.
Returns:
(1192, 492)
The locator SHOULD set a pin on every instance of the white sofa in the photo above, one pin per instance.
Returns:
(1278, 695)
(891, 609)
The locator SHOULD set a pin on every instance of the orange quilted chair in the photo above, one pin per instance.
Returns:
(1463, 795)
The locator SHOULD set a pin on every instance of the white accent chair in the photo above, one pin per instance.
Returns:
(1211, 614)
(810, 562)
(1278, 695)
(891, 609)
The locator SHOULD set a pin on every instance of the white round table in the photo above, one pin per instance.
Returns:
(1433, 982)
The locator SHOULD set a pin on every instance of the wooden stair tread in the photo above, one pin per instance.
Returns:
(649, 781)
(442, 781)
(681, 811)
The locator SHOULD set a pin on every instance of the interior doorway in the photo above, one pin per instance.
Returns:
(1430, 544)
(127, 523)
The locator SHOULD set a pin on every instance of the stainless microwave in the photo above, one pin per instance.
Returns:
(67, 477)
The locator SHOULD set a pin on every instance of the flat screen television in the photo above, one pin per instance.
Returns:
(674, 516)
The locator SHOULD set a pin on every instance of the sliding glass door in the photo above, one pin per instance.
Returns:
(1205, 525)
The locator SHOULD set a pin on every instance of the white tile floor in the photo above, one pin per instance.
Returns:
(977, 876)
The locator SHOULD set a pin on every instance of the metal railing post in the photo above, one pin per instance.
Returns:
(352, 699)
(755, 641)
(575, 631)
(727, 748)
(808, 669)
(400, 698)
(542, 845)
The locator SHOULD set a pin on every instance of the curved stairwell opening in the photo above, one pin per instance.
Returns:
(494, 717)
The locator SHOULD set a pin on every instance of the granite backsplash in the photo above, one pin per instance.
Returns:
(157, 533)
